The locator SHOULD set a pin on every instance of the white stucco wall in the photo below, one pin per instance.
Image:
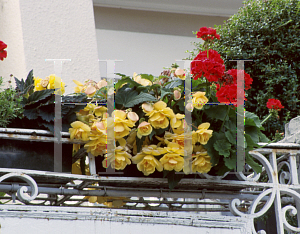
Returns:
(146, 41)
(50, 30)
(11, 34)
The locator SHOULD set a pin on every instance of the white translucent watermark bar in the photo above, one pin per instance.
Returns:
(57, 117)
(240, 122)
(111, 144)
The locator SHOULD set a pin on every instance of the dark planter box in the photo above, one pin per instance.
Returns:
(32, 154)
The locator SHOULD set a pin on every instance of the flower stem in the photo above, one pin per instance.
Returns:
(266, 118)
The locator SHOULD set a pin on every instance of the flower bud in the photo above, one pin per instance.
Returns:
(132, 116)
(189, 107)
(177, 94)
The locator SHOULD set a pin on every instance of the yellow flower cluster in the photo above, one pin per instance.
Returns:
(90, 87)
(93, 127)
(137, 78)
(172, 155)
(50, 82)
(201, 161)
(159, 114)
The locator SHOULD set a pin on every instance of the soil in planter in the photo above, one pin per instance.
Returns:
(33, 155)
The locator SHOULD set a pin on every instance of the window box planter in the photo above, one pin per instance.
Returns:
(32, 149)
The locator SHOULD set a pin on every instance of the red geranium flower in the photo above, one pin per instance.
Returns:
(3, 53)
(274, 104)
(234, 73)
(228, 94)
(207, 33)
(212, 67)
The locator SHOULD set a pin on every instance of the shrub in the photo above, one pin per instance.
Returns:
(268, 33)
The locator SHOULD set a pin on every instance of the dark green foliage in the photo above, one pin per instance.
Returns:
(268, 32)
(39, 107)
(10, 105)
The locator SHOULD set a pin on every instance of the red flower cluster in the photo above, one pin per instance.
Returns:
(274, 104)
(212, 67)
(207, 33)
(228, 91)
(227, 94)
(3, 53)
(247, 79)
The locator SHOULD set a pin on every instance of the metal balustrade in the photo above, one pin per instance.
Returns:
(247, 195)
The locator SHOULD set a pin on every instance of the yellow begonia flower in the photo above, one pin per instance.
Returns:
(144, 129)
(202, 135)
(176, 138)
(100, 111)
(140, 80)
(158, 117)
(173, 147)
(119, 160)
(90, 90)
(101, 83)
(199, 100)
(201, 161)
(177, 121)
(147, 107)
(79, 88)
(179, 72)
(172, 161)
(53, 83)
(38, 84)
(112, 201)
(146, 161)
(121, 124)
(97, 144)
(79, 131)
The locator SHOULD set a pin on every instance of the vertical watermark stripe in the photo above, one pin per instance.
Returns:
(110, 140)
(57, 114)
(240, 125)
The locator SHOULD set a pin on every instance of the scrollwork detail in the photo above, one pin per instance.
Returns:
(284, 175)
(22, 191)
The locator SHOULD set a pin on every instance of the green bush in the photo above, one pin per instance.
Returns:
(10, 105)
(268, 33)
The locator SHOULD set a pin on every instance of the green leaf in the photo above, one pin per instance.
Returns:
(20, 84)
(174, 179)
(139, 143)
(29, 80)
(174, 83)
(214, 154)
(250, 142)
(262, 137)
(230, 162)
(252, 119)
(223, 147)
(39, 95)
(255, 166)
(231, 137)
(147, 76)
(124, 95)
(126, 80)
(253, 132)
(165, 92)
(31, 113)
(217, 112)
(142, 97)
(47, 113)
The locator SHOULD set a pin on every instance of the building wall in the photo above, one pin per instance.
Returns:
(146, 41)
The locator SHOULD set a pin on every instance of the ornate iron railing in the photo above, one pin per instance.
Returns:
(248, 195)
